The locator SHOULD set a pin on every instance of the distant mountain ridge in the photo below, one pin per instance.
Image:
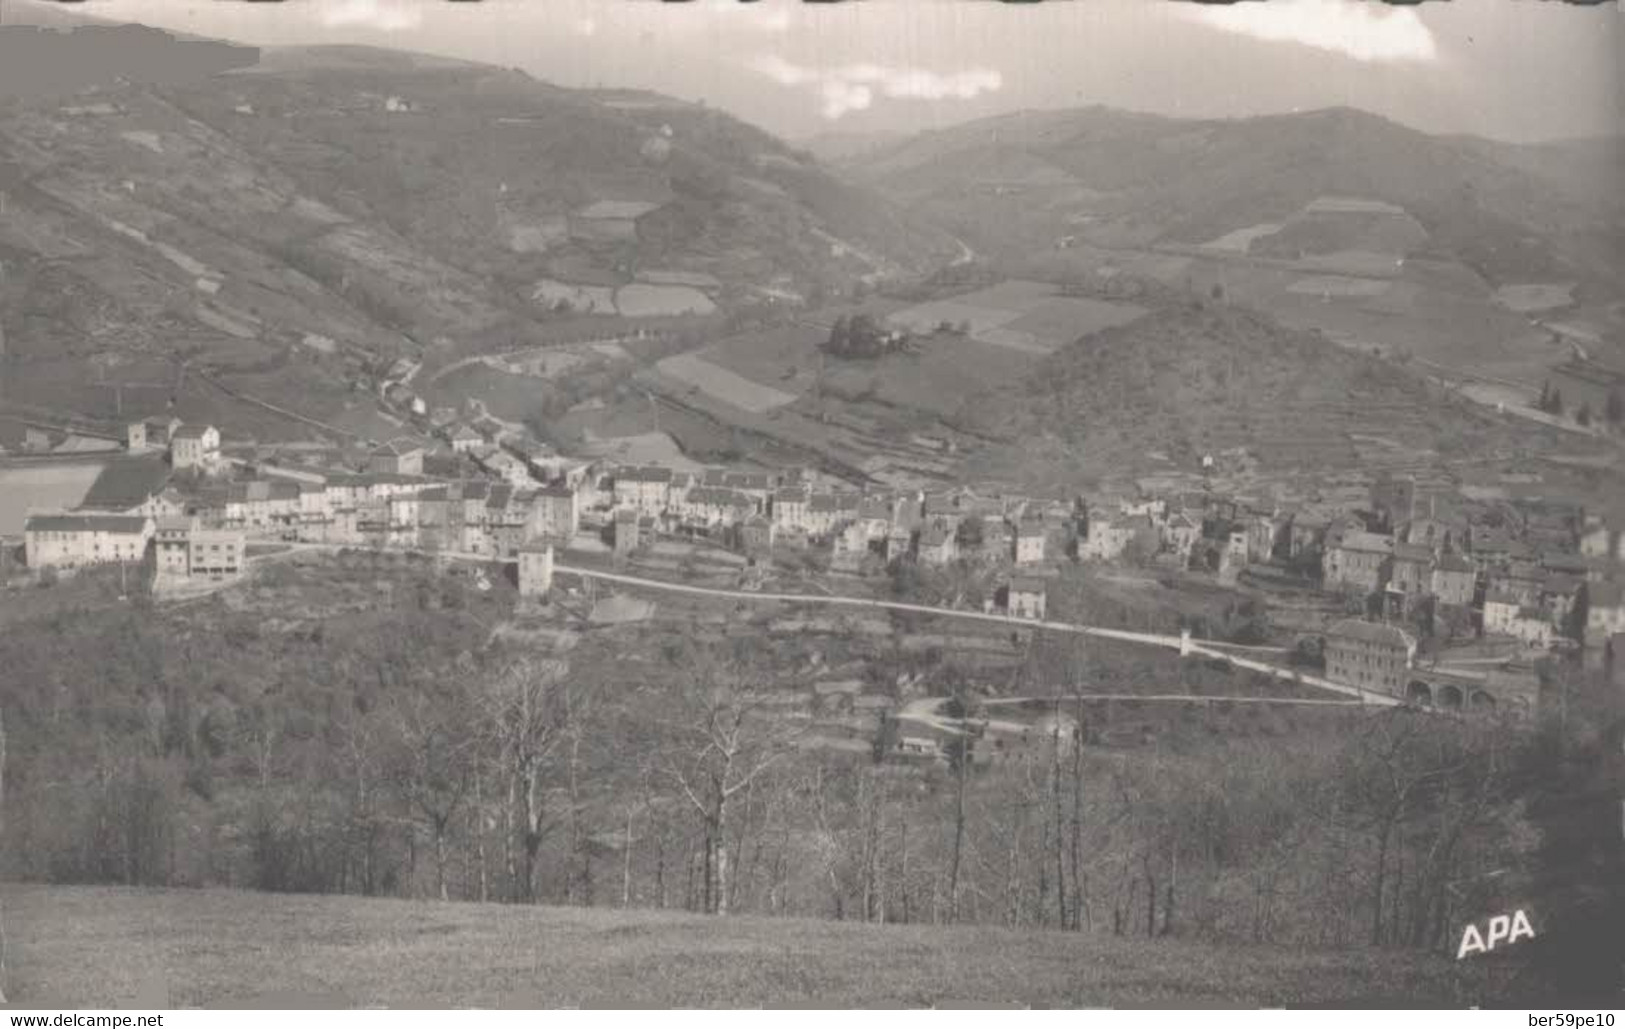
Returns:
(1124, 178)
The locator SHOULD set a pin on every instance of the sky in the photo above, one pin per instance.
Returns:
(1522, 70)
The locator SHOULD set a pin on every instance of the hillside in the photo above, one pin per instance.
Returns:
(286, 224)
(1200, 379)
(1335, 220)
(1141, 179)
(219, 948)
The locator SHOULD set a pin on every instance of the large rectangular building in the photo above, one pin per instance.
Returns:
(555, 513)
(69, 541)
(1369, 655)
(216, 553)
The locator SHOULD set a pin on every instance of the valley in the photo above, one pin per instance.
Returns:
(1108, 558)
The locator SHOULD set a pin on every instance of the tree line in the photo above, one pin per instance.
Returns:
(404, 752)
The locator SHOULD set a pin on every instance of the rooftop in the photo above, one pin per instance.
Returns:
(85, 523)
(397, 448)
(1413, 552)
(1367, 542)
(642, 473)
(1453, 563)
(1607, 594)
(1368, 632)
(126, 483)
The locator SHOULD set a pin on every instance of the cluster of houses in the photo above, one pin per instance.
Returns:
(859, 529)
(1537, 573)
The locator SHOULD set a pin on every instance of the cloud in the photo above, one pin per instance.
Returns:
(1355, 28)
(384, 15)
(853, 87)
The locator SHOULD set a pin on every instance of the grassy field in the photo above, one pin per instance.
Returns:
(106, 947)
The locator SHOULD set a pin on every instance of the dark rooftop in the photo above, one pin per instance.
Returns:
(125, 483)
(84, 523)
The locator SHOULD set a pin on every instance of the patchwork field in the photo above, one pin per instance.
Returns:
(722, 384)
(642, 448)
(1527, 298)
(1240, 240)
(1340, 286)
(1031, 317)
(641, 300)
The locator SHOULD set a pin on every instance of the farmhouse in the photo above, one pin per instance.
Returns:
(1500, 613)
(756, 535)
(1369, 655)
(1307, 534)
(1453, 581)
(850, 547)
(1437, 536)
(936, 544)
(1411, 570)
(1024, 598)
(1359, 559)
(505, 466)
(195, 446)
(829, 512)
(1179, 534)
(1520, 580)
(216, 553)
(555, 513)
(77, 540)
(464, 439)
(170, 546)
(1030, 541)
(397, 457)
(507, 520)
(998, 541)
(643, 488)
(1267, 535)
(716, 507)
(264, 504)
(1108, 537)
(1531, 627)
(790, 508)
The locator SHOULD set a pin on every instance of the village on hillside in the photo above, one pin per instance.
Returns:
(1417, 593)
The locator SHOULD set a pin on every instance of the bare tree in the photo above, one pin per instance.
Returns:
(434, 768)
(528, 707)
(719, 749)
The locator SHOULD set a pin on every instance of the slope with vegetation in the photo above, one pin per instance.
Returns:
(293, 225)
(359, 729)
(1142, 179)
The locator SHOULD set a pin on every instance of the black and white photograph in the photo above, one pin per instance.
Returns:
(866, 505)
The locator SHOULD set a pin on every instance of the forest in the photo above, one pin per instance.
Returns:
(404, 749)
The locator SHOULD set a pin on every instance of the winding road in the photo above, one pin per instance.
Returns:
(1184, 644)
